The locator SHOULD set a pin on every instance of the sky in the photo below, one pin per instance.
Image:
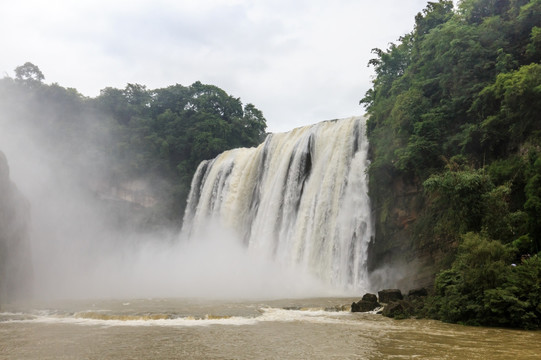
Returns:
(298, 61)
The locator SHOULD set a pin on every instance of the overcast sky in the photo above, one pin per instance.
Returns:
(299, 61)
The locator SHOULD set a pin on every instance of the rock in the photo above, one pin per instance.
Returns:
(15, 254)
(421, 292)
(401, 309)
(370, 297)
(389, 295)
(364, 306)
(369, 302)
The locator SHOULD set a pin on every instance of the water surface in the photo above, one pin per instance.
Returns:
(206, 329)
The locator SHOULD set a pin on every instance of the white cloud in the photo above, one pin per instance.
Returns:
(300, 62)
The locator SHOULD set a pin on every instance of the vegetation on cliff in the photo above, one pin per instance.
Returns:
(456, 149)
(158, 136)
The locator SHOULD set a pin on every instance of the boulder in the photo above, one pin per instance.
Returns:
(364, 306)
(369, 302)
(401, 309)
(370, 298)
(421, 292)
(389, 295)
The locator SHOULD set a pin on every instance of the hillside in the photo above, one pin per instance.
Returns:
(456, 160)
(132, 150)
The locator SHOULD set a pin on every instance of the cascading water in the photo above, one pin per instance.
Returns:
(300, 197)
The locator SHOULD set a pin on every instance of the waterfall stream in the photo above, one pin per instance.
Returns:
(301, 197)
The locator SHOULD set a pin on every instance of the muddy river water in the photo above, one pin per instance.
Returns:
(210, 329)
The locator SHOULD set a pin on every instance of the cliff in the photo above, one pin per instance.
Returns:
(396, 256)
(453, 125)
(15, 253)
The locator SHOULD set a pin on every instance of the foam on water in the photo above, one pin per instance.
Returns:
(105, 318)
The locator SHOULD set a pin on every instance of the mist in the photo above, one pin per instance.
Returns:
(79, 250)
(77, 255)
(216, 266)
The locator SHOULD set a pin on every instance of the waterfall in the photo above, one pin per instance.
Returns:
(301, 197)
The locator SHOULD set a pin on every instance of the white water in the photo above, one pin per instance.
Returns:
(301, 198)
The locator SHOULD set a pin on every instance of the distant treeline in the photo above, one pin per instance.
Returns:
(455, 111)
(159, 136)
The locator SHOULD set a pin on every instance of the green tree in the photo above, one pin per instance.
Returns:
(510, 108)
(159, 136)
(29, 73)
(455, 136)
(484, 287)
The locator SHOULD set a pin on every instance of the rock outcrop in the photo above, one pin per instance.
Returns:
(401, 309)
(369, 302)
(415, 293)
(15, 255)
(396, 257)
(389, 295)
(396, 306)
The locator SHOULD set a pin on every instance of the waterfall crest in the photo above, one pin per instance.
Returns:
(301, 197)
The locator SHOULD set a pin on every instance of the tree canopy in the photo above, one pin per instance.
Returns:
(159, 135)
(454, 109)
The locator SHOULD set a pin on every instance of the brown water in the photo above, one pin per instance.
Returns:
(279, 329)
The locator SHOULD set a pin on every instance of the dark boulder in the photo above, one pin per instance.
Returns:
(421, 292)
(401, 309)
(389, 295)
(363, 306)
(370, 298)
(369, 302)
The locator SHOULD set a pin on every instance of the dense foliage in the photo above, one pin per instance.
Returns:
(481, 288)
(158, 136)
(455, 109)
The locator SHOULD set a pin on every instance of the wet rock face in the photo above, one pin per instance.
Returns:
(415, 293)
(395, 306)
(397, 206)
(398, 309)
(370, 298)
(389, 295)
(369, 302)
(15, 256)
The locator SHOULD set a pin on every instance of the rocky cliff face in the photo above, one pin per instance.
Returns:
(395, 256)
(133, 205)
(137, 192)
(15, 254)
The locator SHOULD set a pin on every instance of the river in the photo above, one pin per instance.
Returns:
(169, 328)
